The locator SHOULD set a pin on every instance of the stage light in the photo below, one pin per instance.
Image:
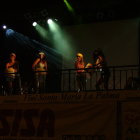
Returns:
(49, 21)
(34, 23)
(4, 27)
(69, 7)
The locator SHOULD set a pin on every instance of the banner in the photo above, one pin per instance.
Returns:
(55, 117)
(130, 119)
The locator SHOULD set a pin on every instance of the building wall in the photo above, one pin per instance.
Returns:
(117, 39)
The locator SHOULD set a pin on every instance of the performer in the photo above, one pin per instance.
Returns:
(13, 82)
(100, 65)
(80, 72)
(89, 70)
(40, 68)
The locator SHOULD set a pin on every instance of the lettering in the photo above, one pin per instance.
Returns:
(5, 130)
(133, 130)
(133, 118)
(108, 95)
(46, 123)
(28, 117)
(88, 97)
(83, 137)
(132, 138)
(41, 97)
(36, 122)
(71, 97)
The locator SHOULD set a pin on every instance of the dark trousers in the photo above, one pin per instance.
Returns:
(81, 80)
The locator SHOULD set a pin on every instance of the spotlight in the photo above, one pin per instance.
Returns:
(56, 19)
(4, 27)
(34, 23)
(49, 21)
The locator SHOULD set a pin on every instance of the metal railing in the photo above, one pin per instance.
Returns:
(120, 78)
